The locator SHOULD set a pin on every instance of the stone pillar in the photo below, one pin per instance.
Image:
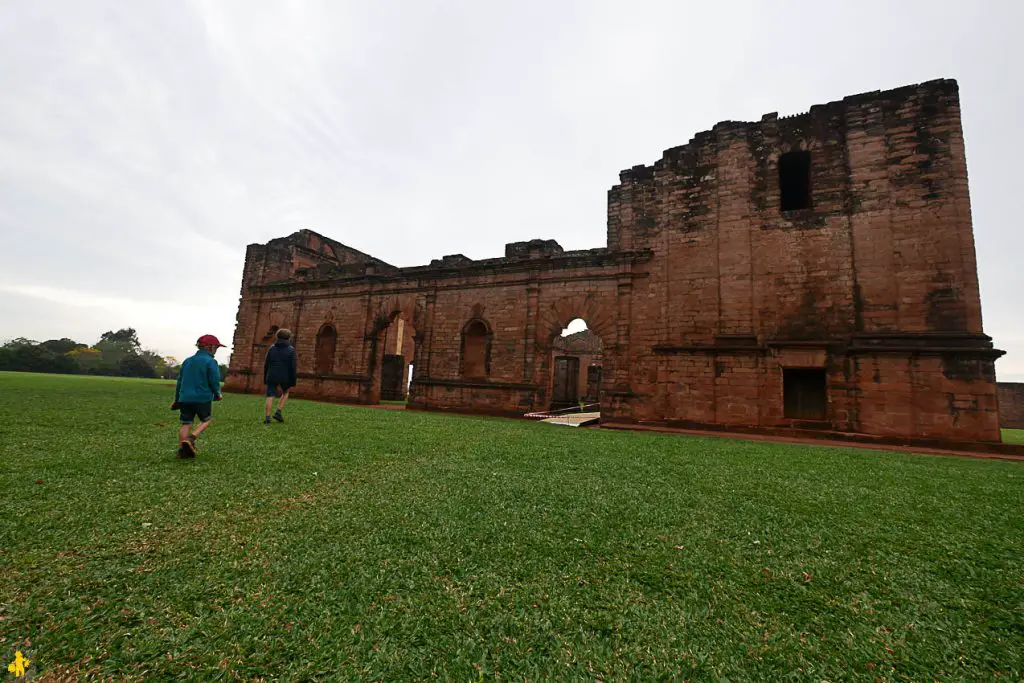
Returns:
(399, 333)
(297, 325)
(418, 393)
(428, 336)
(255, 349)
(734, 255)
(369, 350)
(531, 342)
(624, 301)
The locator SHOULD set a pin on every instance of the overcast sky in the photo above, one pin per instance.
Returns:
(144, 144)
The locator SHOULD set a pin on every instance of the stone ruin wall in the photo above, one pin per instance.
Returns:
(876, 283)
(711, 299)
(525, 299)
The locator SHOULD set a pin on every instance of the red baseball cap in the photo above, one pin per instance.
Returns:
(209, 340)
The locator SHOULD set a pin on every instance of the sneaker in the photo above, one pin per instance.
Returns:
(266, 420)
(278, 416)
(186, 450)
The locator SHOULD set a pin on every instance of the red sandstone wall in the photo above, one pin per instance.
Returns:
(1011, 405)
(886, 247)
(524, 313)
(524, 308)
(706, 293)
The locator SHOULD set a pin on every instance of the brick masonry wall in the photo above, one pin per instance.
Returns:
(524, 300)
(524, 313)
(879, 272)
(1011, 405)
(705, 294)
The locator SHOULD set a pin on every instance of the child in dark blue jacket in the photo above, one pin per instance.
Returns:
(198, 386)
(280, 370)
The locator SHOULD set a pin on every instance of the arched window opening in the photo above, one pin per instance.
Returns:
(576, 325)
(326, 345)
(476, 350)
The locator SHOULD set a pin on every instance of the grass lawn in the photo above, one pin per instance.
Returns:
(353, 543)
(1013, 436)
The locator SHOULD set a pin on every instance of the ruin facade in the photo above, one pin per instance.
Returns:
(813, 271)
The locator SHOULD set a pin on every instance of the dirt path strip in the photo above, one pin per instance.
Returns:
(832, 443)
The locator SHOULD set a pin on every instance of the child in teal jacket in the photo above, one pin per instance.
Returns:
(198, 386)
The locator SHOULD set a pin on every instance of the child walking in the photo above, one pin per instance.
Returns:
(279, 373)
(198, 386)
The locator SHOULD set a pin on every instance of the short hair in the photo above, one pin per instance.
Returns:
(284, 335)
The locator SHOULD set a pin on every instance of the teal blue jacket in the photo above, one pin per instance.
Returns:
(199, 379)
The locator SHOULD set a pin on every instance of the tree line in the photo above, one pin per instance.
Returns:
(117, 354)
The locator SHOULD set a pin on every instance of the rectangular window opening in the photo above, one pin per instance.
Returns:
(804, 393)
(795, 181)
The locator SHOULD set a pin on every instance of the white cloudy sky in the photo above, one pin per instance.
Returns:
(143, 144)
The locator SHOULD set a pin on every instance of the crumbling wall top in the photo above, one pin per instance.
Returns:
(533, 249)
(685, 156)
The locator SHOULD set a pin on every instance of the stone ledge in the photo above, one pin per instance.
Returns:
(971, 351)
(304, 375)
(468, 412)
(666, 349)
(926, 340)
(304, 395)
(473, 384)
(803, 343)
(346, 377)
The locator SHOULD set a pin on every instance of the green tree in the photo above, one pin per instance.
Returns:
(26, 355)
(121, 353)
(62, 346)
(112, 353)
(172, 366)
(155, 361)
(88, 360)
(134, 365)
(116, 353)
(126, 335)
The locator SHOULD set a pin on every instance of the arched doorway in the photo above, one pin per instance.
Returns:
(476, 341)
(576, 368)
(326, 347)
(397, 349)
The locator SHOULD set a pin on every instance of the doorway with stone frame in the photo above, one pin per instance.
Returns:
(576, 368)
(396, 347)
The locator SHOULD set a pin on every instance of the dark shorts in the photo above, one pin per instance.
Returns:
(276, 389)
(190, 411)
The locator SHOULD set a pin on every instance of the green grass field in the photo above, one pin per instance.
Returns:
(1013, 436)
(360, 544)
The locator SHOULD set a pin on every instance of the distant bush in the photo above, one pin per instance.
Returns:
(116, 353)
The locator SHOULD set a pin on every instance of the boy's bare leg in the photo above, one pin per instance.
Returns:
(284, 399)
(270, 405)
(201, 428)
(185, 447)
